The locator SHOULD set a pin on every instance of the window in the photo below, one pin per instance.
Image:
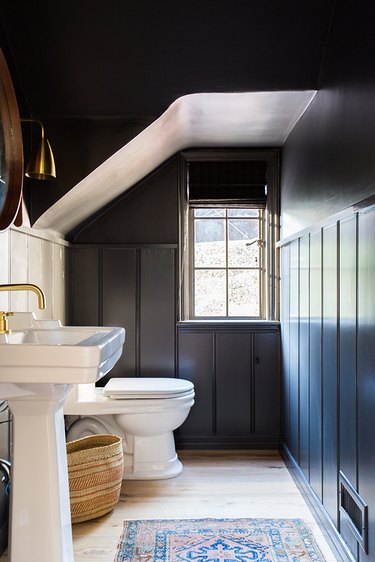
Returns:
(228, 234)
(227, 262)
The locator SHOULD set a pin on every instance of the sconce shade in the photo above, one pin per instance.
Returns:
(41, 165)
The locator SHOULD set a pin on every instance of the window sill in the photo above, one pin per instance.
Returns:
(228, 325)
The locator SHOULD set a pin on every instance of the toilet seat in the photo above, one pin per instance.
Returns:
(146, 388)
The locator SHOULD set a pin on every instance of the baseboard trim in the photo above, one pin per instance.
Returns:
(220, 442)
(331, 534)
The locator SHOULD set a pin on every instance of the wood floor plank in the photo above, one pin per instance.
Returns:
(212, 484)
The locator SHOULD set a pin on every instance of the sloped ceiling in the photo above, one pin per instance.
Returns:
(128, 61)
(240, 119)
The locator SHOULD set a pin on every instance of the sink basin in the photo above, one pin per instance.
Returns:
(47, 352)
(39, 362)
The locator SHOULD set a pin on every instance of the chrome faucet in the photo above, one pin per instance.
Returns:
(20, 287)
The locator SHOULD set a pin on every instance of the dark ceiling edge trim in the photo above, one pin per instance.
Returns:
(327, 41)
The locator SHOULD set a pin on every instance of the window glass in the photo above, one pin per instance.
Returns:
(243, 248)
(243, 292)
(209, 213)
(243, 212)
(209, 243)
(210, 292)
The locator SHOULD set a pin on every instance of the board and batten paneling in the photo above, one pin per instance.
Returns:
(333, 283)
(132, 287)
(234, 368)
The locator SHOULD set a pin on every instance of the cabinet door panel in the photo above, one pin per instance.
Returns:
(266, 384)
(233, 384)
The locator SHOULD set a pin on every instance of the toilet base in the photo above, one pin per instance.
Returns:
(145, 457)
(149, 458)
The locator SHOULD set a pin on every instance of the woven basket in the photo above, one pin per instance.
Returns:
(95, 469)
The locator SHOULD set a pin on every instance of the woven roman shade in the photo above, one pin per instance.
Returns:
(227, 183)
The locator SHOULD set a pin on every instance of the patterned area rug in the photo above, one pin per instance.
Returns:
(217, 540)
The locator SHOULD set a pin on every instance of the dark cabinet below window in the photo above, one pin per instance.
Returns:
(235, 371)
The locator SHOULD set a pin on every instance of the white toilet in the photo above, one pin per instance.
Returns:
(143, 411)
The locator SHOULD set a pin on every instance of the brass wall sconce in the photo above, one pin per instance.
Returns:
(41, 164)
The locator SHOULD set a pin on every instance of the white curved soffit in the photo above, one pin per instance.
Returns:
(260, 119)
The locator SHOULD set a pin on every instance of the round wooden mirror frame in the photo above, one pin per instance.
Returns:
(12, 175)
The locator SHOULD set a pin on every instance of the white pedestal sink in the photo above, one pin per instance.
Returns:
(39, 361)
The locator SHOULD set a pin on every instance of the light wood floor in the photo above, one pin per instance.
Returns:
(212, 484)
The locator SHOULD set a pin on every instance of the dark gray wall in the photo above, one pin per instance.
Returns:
(327, 162)
(328, 275)
(146, 214)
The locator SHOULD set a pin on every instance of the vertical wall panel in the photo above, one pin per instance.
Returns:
(196, 365)
(40, 273)
(315, 363)
(233, 384)
(285, 329)
(348, 347)
(304, 358)
(366, 369)
(85, 280)
(293, 351)
(19, 269)
(329, 373)
(157, 312)
(119, 303)
(60, 258)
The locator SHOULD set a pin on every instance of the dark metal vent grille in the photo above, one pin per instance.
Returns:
(354, 510)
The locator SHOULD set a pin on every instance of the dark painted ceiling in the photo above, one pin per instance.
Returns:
(133, 58)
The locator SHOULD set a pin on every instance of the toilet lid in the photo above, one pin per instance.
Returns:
(123, 388)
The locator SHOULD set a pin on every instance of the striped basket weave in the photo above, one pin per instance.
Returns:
(95, 469)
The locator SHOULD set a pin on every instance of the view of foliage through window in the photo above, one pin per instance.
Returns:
(227, 261)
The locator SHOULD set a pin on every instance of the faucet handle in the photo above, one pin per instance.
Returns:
(4, 323)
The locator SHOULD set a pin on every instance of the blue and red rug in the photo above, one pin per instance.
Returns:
(217, 540)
